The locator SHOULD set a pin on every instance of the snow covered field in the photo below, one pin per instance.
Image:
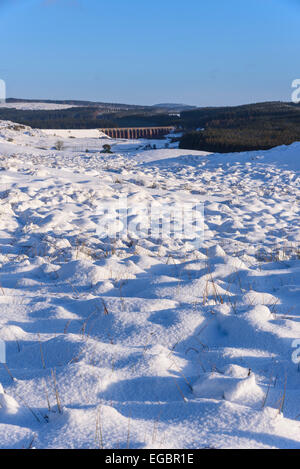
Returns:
(147, 343)
(36, 106)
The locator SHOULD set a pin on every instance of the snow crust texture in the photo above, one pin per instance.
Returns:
(147, 343)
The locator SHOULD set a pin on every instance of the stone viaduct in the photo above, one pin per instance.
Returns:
(137, 132)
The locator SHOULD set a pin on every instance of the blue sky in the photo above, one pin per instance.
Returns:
(216, 52)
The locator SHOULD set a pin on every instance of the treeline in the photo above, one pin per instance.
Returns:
(74, 102)
(73, 118)
(86, 118)
(235, 140)
(145, 120)
(224, 129)
(242, 128)
(271, 110)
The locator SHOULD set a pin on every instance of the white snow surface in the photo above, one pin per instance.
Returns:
(75, 133)
(23, 106)
(147, 343)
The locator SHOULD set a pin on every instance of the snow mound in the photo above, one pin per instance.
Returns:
(8, 405)
(237, 388)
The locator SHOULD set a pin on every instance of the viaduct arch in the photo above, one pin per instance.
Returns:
(137, 132)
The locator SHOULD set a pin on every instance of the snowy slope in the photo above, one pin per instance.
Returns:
(77, 133)
(147, 343)
(22, 106)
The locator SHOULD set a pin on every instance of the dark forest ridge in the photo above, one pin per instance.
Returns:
(258, 126)
(223, 129)
(76, 102)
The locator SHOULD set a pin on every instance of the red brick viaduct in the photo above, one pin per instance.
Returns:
(137, 132)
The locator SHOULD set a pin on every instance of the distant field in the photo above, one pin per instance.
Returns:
(35, 106)
(75, 133)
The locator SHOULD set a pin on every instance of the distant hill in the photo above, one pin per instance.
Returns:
(174, 107)
(241, 128)
(73, 102)
(255, 126)
(75, 114)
